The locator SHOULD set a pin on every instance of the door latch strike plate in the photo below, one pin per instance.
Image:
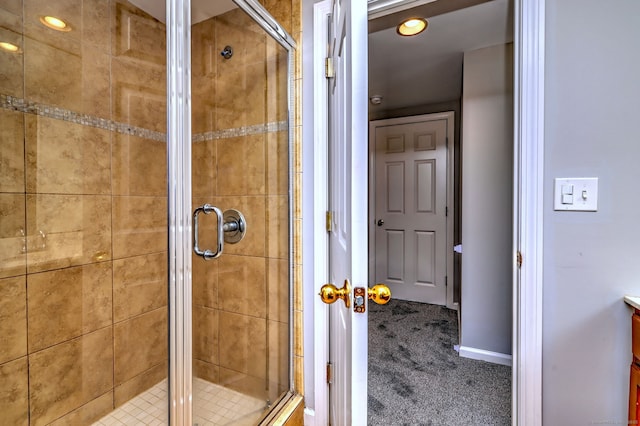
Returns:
(359, 298)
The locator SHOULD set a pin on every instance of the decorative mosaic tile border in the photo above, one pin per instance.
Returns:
(256, 129)
(17, 104)
(22, 105)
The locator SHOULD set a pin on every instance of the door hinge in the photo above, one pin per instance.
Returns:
(446, 211)
(446, 281)
(329, 221)
(329, 71)
(329, 373)
(519, 259)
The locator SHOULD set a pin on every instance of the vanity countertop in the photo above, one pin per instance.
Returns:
(633, 301)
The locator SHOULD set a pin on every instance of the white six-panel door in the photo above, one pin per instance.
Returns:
(412, 197)
(347, 202)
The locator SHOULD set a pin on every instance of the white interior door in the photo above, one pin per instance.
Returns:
(412, 177)
(348, 205)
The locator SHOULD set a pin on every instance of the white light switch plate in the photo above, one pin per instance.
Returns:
(584, 194)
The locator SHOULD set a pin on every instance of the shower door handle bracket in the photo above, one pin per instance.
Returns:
(208, 254)
(231, 227)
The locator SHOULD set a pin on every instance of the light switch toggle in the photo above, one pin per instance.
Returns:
(578, 194)
(567, 194)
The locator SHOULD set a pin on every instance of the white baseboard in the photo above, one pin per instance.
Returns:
(482, 355)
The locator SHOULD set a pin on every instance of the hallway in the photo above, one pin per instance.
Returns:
(417, 378)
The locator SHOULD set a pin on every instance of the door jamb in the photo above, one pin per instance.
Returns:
(528, 175)
(529, 54)
(315, 205)
(450, 117)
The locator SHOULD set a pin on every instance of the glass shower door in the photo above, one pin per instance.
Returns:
(240, 163)
(238, 326)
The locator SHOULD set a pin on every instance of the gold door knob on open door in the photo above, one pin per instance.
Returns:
(380, 294)
(329, 293)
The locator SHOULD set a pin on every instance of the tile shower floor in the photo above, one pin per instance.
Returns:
(213, 405)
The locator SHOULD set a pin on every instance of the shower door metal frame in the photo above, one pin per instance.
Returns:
(180, 244)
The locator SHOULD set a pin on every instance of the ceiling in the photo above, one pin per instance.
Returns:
(200, 9)
(407, 71)
(427, 68)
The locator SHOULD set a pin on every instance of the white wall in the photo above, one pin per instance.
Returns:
(487, 175)
(591, 260)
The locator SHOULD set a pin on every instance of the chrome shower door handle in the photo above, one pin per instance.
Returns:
(208, 254)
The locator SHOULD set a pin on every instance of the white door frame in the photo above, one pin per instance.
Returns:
(450, 117)
(529, 54)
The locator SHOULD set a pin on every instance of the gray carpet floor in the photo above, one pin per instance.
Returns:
(417, 378)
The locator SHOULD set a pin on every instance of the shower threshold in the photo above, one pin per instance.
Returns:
(213, 405)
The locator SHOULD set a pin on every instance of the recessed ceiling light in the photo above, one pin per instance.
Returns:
(55, 23)
(412, 26)
(9, 47)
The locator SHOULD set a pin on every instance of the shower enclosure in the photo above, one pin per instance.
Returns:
(118, 121)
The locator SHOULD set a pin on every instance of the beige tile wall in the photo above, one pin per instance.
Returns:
(83, 299)
(83, 304)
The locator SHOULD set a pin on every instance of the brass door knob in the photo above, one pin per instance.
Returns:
(379, 293)
(329, 293)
